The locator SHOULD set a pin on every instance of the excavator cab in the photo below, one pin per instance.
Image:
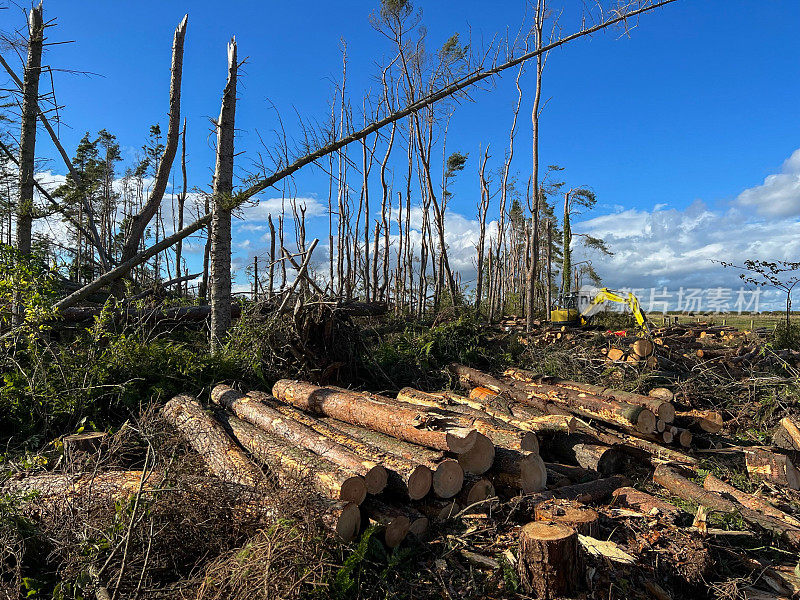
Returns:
(565, 311)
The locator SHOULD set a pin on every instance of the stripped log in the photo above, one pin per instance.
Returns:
(447, 474)
(663, 410)
(520, 470)
(517, 415)
(407, 479)
(586, 452)
(500, 434)
(688, 490)
(706, 420)
(643, 502)
(714, 484)
(548, 562)
(209, 439)
(573, 514)
(378, 413)
(772, 467)
(290, 464)
(261, 412)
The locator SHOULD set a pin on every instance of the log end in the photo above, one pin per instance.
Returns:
(529, 442)
(448, 478)
(353, 489)
(419, 482)
(461, 439)
(376, 479)
(646, 421)
(533, 474)
(348, 523)
(666, 412)
(479, 458)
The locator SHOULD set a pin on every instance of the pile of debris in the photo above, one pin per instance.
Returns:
(523, 455)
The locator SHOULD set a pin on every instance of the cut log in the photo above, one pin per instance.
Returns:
(643, 348)
(714, 484)
(637, 446)
(772, 467)
(500, 434)
(406, 479)
(478, 459)
(688, 490)
(643, 502)
(291, 464)
(667, 436)
(662, 394)
(548, 561)
(586, 452)
(105, 487)
(661, 425)
(707, 420)
(520, 470)
(661, 408)
(342, 517)
(378, 413)
(447, 474)
(476, 489)
(209, 439)
(615, 354)
(572, 473)
(684, 437)
(439, 510)
(622, 414)
(261, 412)
(573, 514)
(787, 436)
(394, 523)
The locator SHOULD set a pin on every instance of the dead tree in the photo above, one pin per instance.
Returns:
(139, 222)
(483, 208)
(221, 219)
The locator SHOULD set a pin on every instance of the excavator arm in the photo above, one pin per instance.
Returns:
(606, 295)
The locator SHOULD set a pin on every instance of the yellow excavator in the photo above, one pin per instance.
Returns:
(567, 310)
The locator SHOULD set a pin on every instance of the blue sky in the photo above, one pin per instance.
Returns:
(699, 104)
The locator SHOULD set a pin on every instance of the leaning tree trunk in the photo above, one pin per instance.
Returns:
(27, 140)
(221, 212)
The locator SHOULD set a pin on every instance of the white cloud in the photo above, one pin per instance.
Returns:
(779, 195)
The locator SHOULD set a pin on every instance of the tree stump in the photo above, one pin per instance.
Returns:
(581, 518)
(548, 559)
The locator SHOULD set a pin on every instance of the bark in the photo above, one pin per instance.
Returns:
(690, 491)
(378, 413)
(439, 510)
(548, 563)
(320, 440)
(221, 210)
(221, 455)
(628, 497)
(290, 464)
(572, 473)
(581, 518)
(139, 223)
(483, 208)
(102, 487)
(181, 201)
(448, 476)
(588, 492)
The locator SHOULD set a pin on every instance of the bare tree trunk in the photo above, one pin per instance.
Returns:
(549, 268)
(27, 141)
(483, 208)
(203, 291)
(139, 222)
(271, 257)
(181, 201)
(221, 216)
(534, 233)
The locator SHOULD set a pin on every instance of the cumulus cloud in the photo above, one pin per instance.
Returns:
(779, 195)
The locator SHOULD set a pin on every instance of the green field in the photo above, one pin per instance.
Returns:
(740, 321)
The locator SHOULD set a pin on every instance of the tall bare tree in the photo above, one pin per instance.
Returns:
(221, 210)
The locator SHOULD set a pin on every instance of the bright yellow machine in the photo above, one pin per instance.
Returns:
(568, 310)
